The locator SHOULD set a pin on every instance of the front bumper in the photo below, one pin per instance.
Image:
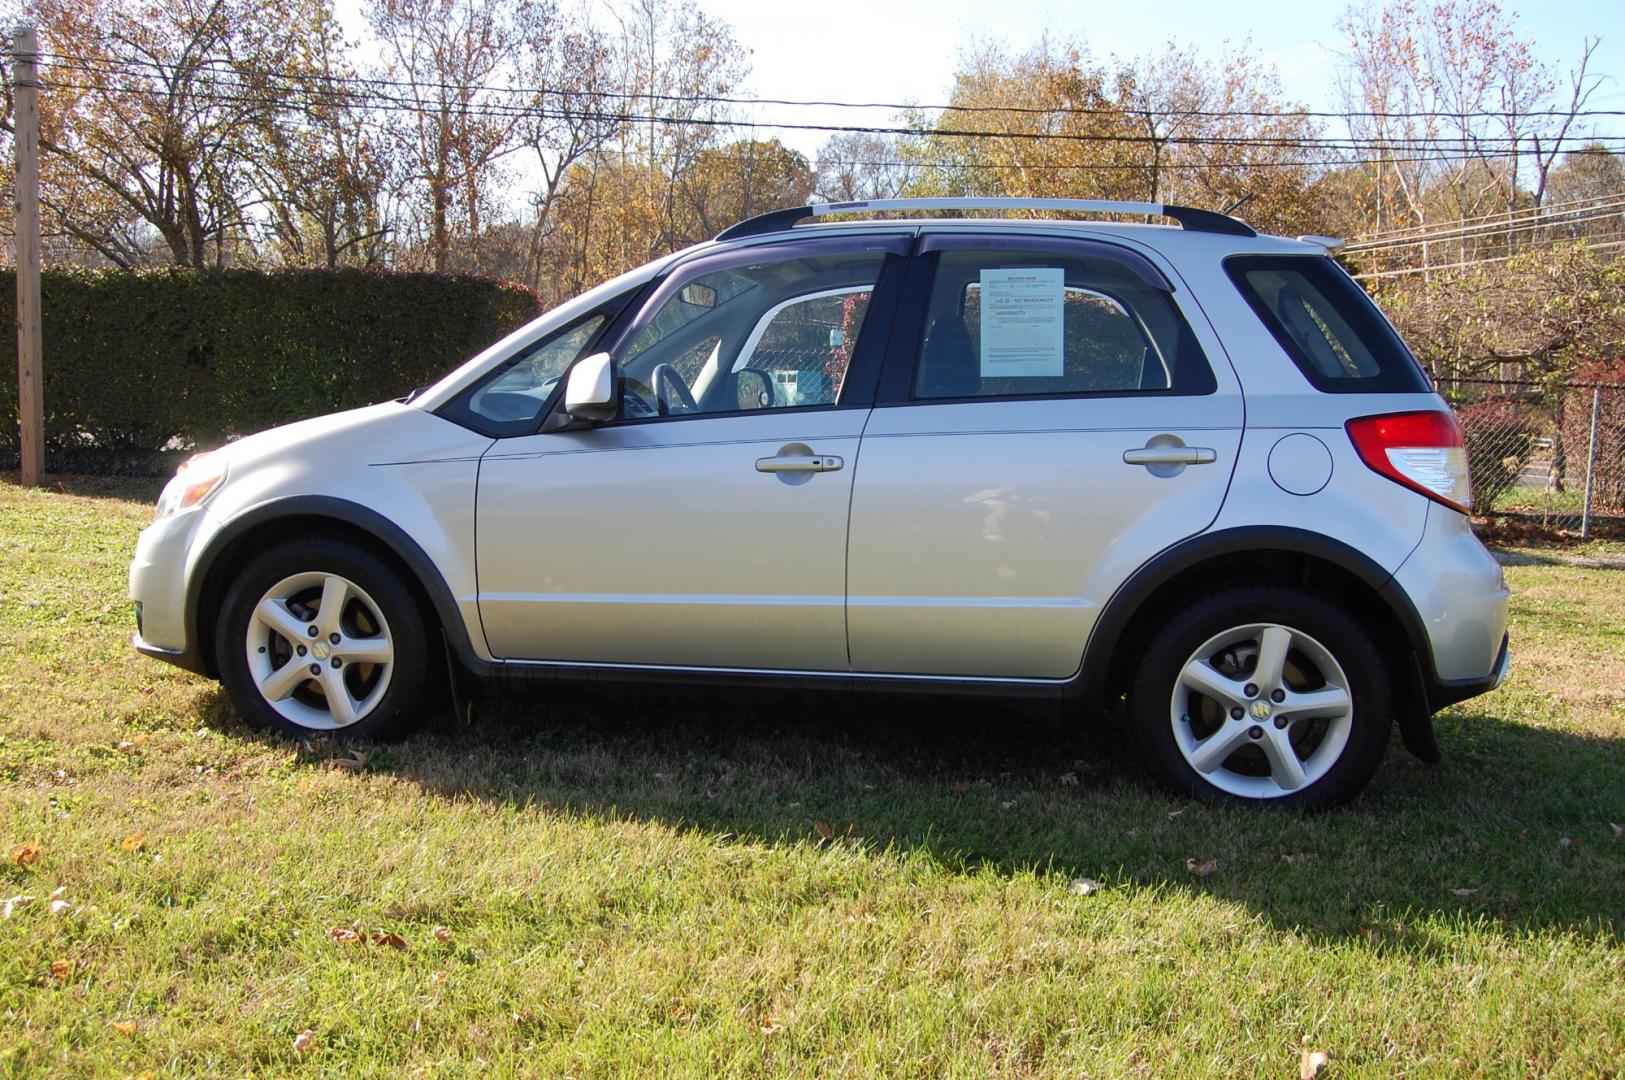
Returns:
(158, 576)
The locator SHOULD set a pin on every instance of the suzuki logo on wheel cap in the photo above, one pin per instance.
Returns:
(320, 650)
(1261, 710)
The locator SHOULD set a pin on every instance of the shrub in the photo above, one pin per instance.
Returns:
(140, 361)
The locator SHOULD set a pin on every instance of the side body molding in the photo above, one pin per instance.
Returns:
(1428, 690)
(345, 513)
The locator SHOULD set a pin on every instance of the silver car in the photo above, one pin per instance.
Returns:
(1189, 469)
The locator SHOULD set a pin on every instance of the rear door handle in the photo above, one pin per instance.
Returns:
(798, 463)
(1169, 455)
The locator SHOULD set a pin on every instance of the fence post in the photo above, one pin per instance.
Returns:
(1591, 462)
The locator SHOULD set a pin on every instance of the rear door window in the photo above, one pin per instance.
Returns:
(1327, 324)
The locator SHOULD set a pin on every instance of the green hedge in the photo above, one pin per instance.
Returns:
(136, 361)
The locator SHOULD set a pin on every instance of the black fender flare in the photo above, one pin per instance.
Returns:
(352, 515)
(1416, 727)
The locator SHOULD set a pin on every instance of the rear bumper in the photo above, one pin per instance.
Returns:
(1445, 692)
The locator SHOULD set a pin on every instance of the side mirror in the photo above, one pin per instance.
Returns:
(590, 393)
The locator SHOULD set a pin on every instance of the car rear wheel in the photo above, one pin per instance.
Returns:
(320, 636)
(1263, 695)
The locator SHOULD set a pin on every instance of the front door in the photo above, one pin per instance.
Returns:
(706, 526)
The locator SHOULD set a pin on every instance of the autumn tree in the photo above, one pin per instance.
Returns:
(455, 102)
(151, 128)
(855, 166)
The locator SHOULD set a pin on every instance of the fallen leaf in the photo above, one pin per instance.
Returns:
(344, 933)
(134, 742)
(355, 762)
(1009, 804)
(304, 1042)
(1202, 869)
(826, 833)
(961, 786)
(1175, 813)
(134, 842)
(62, 969)
(441, 934)
(1069, 779)
(126, 1027)
(1567, 844)
(681, 1014)
(387, 937)
(58, 892)
(438, 977)
(770, 1025)
(60, 907)
(25, 854)
(12, 904)
(1462, 894)
(1619, 830)
(1084, 886)
(1310, 1064)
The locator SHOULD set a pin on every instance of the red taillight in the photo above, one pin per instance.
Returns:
(1422, 450)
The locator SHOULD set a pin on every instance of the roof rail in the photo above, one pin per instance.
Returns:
(1188, 218)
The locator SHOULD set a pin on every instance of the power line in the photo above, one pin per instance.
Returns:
(1610, 245)
(1485, 232)
(421, 106)
(723, 99)
(1543, 208)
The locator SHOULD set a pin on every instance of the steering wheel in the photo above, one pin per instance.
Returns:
(664, 376)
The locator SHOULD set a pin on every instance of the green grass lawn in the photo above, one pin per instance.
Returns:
(630, 889)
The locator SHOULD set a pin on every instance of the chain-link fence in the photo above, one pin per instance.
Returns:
(1546, 455)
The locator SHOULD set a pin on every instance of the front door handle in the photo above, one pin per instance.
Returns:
(797, 463)
(1170, 455)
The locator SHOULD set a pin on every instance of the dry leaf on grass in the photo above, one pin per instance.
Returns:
(1084, 886)
(387, 937)
(1565, 843)
(1009, 804)
(961, 786)
(126, 1027)
(12, 904)
(134, 742)
(62, 969)
(1462, 894)
(60, 907)
(1070, 779)
(134, 842)
(344, 933)
(441, 934)
(438, 977)
(1202, 869)
(1619, 830)
(826, 832)
(1310, 1064)
(304, 1042)
(770, 1025)
(25, 854)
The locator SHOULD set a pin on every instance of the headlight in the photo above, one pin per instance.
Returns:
(194, 481)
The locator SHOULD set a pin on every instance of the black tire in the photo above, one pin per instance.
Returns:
(417, 667)
(1150, 706)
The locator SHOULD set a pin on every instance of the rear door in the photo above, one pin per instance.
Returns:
(1058, 415)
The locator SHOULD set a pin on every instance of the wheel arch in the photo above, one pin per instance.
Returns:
(313, 515)
(1268, 555)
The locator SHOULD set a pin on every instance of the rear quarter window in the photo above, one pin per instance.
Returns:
(1327, 324)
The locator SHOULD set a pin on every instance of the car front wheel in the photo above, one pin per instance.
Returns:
(1263, 695)
(321, 636)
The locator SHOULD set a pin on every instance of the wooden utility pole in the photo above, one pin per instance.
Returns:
(30, 405)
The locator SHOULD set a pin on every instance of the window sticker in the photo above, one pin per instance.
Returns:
(1021, 323)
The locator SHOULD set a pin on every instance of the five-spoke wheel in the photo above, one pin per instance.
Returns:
(319, 635)
(1262, 694)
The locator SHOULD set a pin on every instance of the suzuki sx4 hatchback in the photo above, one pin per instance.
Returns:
(1183, 467)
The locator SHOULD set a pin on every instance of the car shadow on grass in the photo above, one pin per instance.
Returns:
(1512, 831)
